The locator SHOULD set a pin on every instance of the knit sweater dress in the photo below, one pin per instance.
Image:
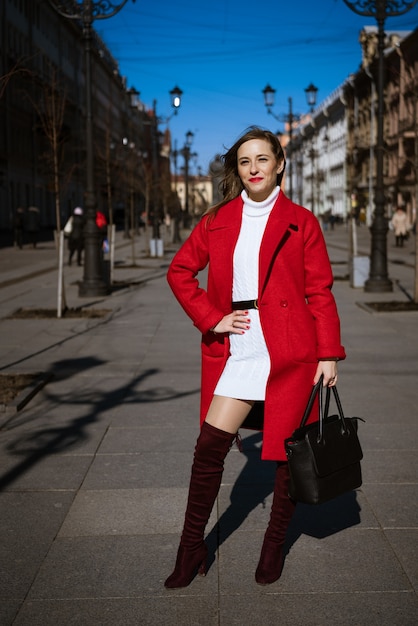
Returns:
(248, 366)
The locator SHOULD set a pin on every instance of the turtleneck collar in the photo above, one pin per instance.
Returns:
(259, 208)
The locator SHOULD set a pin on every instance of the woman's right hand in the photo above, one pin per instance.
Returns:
(236, 322)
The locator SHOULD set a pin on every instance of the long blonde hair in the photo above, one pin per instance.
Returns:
(231, 184)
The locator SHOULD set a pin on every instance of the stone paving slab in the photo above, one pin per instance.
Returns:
(38, 471)
(147, 470)
(120, 512)
(21, 550)
(110, 567)
(146, 611)
(312, 564)
(388, 466)
(338, 609)
(146, 437)
(404, 543)
(396, 505)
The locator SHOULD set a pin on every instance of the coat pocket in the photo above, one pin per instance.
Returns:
(302, 337)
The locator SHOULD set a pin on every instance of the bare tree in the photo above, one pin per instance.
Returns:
(50, 109)
(17, 69)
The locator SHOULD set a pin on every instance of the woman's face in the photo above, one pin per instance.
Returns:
(258, 168)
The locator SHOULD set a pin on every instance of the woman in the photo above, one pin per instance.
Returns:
(400, 226)
(269, 328)
(76, 236)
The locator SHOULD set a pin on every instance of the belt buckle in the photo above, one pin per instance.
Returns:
(256, 304)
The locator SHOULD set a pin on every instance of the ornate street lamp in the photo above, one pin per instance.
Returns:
(312, 157)
(311, 92)
(268, 93)
(176, 94)
(289, 119)
(156, 243)
(378, 280)
(87, 11)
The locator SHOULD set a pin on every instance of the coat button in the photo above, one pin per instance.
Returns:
(283, 303)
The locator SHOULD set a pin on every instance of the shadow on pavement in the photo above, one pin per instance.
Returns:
(37, 445)
(256, 482)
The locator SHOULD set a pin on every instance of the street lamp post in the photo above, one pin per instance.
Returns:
(87, 11)
(156, 243)
(312, 155)
(289, 119)
(311, 92)
(378, 280)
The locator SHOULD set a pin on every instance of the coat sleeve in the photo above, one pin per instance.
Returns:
(319, 297)
(192, 258)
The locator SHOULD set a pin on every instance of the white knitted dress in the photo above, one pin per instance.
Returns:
(247, 369)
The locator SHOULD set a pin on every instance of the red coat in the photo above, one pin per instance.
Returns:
(297, 309)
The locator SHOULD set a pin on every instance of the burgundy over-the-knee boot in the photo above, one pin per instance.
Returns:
(270, 566)
(211, 449)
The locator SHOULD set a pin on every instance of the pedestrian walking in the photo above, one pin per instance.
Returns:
(399, 223)
(33, 224)
(76, 236)
(270, 328)
(19, 222)
(101, 223)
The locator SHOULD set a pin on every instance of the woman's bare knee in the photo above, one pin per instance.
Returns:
(228, 413)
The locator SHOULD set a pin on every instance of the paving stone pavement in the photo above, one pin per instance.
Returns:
(94, 470)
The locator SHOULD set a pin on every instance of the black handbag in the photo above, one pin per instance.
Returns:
(324, 457)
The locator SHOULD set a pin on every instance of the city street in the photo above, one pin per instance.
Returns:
(94, 470)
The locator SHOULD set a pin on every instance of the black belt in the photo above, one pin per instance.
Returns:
(245, 304)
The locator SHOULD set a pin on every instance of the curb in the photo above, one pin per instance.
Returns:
(24, 396)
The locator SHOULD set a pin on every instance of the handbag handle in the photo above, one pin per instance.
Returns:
(323, 410)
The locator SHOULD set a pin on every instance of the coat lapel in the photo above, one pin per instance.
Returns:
(280, 226)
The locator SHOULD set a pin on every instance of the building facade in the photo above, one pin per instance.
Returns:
(333, 151)
(43, 123)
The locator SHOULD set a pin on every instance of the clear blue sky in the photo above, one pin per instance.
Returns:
(222, 53)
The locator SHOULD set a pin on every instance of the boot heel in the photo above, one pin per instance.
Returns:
(187, 564)
(203, 567)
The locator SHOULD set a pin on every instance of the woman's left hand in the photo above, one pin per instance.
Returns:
(329, 370)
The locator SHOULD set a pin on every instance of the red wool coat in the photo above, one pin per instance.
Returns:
(297, 309)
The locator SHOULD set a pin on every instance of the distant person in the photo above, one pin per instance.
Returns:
(33, 224)
(19, 224)
(400, 226)
(101, 223)
(176, 214)
(266, 340)
(325, 219)
(76, 236)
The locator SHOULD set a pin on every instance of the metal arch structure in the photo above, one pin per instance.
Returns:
(89, 9)
(86, 11)
(381, 8)
(379, 280)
